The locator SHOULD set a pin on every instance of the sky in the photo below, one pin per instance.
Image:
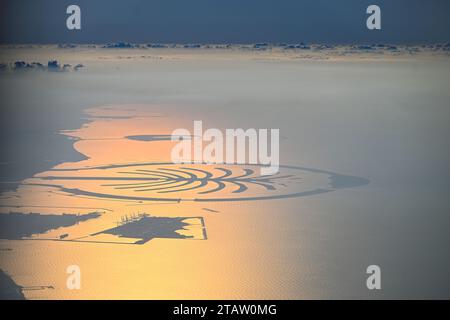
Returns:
(224, 21)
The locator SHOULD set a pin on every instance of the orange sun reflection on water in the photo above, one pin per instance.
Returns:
(232, 263)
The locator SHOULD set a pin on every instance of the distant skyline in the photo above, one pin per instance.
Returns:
(231, 21)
